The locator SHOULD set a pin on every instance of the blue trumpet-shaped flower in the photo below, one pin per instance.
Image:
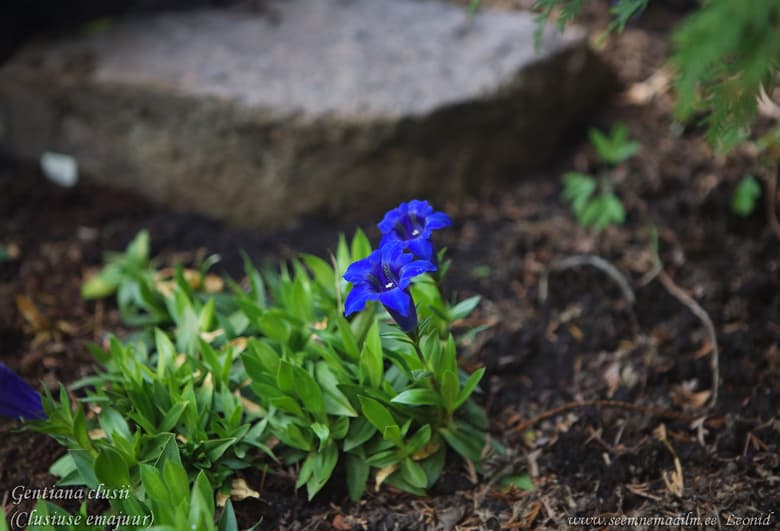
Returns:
(18, 399)
(412, 224)
(385, 276)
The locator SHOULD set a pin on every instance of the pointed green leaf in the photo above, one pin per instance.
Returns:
(417, 397)
(357, 475)
(471, 383)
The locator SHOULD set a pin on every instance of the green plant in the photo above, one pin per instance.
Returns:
(592, 199)
(160, 496)
(743, 201)
(725, 53)
(221, 377)
(615, 147)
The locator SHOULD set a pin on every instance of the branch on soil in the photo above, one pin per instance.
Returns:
(593, 261)
(704, 317)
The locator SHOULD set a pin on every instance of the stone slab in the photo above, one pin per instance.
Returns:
(302, 107)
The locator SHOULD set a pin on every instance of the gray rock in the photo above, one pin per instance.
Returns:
(302, 107)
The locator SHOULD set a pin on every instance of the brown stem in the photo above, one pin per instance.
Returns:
(699, 312)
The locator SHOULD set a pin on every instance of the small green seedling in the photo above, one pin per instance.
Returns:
(592, 199)
(743, 202)
(615, 147)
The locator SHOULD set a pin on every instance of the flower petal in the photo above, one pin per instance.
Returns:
(357, 298)
(394, 255)
(17, 398)
(392, 218)
(361, 270)
(421, 209)
(437, 220)
(413, 269)
(421, 248)
(397, 300)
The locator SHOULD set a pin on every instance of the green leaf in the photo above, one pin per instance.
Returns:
(743, 202)
(98, 287)
(360, 431)
(417, 397)
(616, 147)
(63, 466)
(257, 286)
(175, 478)
(348, 337)
(371, 359)
(414, 474)
(260, 358)
(394, 435)
(308, 391)
(468, 388)
(138, 249)
(292, 436)
(378, 415)
(173, 416)
(468, 446)
(285, 377)
(343, 256)
(339, 427)
(203, 497)
(335, 401)
(623, 10)
(166, 353)
(306, 471)
(215, 448)
(155, 487)
(464, 308)
(577, 190)
(326, 461)
(417, 441)
(518, 481)
(397, 480)
(207, 314)
(160, 448)
(114, 424)
(111, 469)
(361, 247)
(85, 464)
(228, 522)
(323, 272)
(450, 387)
(321, 431)
(357, 475)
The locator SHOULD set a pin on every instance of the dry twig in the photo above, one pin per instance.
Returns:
(593, 261)
(678, 293)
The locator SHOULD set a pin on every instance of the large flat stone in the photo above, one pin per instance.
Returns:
(318, 106)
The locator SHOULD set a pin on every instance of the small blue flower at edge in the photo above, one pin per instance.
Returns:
(385, 276)
(18, 399)
(412, 224)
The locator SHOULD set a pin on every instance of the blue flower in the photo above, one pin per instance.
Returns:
(412, 224)
(385, 276)
(18, 399)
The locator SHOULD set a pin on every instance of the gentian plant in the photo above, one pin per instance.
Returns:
(297, 367)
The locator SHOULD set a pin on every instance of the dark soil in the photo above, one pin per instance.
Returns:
(582, 342)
